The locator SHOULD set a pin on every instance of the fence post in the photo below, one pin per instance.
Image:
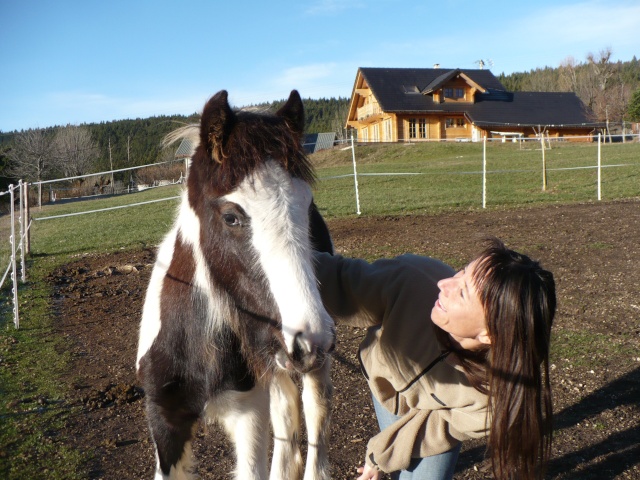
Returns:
(599, 167)
(355, 175)
(12, 240)
(27, 214)
(21, 222)
(544, 164)
(484, 172)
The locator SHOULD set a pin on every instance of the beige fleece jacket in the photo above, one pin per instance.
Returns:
(400, 356)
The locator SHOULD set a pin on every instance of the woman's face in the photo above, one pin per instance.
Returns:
(458, 310)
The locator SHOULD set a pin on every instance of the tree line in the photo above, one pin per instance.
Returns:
(64, 151)
(610, 89)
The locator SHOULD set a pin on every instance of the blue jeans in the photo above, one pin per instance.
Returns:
(435, 467)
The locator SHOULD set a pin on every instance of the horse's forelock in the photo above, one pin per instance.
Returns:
(255, 139)
(259, 137)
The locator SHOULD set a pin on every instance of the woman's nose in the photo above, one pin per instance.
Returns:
(443, 284)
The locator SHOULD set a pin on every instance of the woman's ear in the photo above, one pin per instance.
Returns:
(484, 338)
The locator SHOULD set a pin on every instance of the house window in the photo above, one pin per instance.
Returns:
(376, 132)
(412, 128)
(449, 122)
(365, 134)
(460, 122)
(417, 128)
(448, 92)
(422, 128)
(388, 132)
(459, 92)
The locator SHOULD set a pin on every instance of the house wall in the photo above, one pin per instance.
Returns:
(567, 134)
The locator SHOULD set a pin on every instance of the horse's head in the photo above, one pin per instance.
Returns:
(249, 186)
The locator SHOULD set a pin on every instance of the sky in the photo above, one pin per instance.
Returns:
(73, 62)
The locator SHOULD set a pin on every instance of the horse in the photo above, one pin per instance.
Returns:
(232, 309)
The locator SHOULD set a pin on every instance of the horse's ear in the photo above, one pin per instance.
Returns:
(216, 124)
(293, 111)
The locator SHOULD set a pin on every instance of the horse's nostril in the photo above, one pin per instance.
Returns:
(299, 348)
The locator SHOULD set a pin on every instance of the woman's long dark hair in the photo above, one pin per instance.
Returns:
(519, 300)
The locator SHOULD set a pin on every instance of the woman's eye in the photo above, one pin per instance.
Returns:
(230, 219)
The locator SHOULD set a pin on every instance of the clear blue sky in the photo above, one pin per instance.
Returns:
(89, 61)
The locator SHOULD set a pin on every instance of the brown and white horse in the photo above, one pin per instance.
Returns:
(233, 307)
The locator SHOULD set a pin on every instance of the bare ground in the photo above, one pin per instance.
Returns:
(592, 249)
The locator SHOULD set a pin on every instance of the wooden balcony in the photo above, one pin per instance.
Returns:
(368, 111)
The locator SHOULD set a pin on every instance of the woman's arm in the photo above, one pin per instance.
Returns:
(354, 291)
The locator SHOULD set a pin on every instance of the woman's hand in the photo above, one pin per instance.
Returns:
(368, 473)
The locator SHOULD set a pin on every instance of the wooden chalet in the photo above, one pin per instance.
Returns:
(432, 104)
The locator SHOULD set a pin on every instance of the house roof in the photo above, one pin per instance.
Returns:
(557, 109)
(406, 90)
(400, 89)
(444, 78)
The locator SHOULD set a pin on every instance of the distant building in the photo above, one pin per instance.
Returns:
(423, 104)
(314, 142)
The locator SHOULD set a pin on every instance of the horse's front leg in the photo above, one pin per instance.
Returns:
(316, 398)
(286, 463)
(245, 417)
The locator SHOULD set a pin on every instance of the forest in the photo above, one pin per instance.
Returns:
(610, 89)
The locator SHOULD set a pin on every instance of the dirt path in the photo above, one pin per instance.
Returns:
(593, 250)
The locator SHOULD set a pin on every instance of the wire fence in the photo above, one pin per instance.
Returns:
(18, 242)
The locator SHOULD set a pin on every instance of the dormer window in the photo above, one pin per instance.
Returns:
(454, 93)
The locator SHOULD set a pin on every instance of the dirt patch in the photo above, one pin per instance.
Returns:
(592, 249)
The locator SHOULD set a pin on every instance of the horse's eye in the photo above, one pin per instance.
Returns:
(230, 219)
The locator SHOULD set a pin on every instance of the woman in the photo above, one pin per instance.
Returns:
(450, 356)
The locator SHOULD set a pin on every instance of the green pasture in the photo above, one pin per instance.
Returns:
(418, 178)
(392, 180)
(395, 179)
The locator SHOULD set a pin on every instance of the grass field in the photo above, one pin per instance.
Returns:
(393, 180)
(442, 177)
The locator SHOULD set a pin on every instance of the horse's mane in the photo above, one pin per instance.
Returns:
(269, 139)
(190, 132)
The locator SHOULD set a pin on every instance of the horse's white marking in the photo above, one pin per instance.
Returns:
(245, 416)
(279, 209)
(286, 462)
(188, 229)
(190, 234)
(150, 323)
(183, 470)
(317, 409)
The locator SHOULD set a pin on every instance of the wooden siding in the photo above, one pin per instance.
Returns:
(374, 124)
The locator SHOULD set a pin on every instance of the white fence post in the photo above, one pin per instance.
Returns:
(27, 211)
(12, 240)
(599, 167)
(484, 172)
(544, 164)
(21, 221)
(355, 175)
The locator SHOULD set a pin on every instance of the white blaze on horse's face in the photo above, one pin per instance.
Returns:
(278, 207)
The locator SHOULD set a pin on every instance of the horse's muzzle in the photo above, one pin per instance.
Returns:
(304, 359)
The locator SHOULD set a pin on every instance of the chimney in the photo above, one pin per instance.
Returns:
(436, 65)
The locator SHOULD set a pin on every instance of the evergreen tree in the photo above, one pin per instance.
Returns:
(633, 112)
